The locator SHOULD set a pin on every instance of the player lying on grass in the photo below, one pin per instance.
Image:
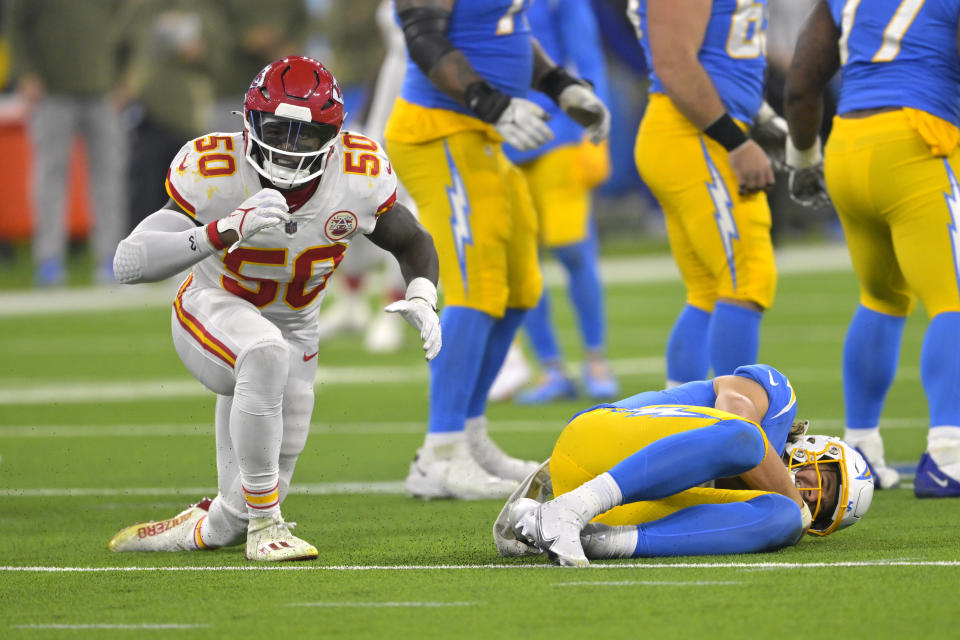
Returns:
(709, 467)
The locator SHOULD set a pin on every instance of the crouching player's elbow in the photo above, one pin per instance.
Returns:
(128, 262)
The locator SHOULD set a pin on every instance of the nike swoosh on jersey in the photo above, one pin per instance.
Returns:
(772, 382)
(940, 481)
(309, 357)
(183, 164)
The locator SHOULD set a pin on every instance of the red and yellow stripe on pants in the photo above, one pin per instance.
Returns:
(197, 331)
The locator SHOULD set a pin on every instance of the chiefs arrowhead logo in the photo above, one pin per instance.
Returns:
(340, 225)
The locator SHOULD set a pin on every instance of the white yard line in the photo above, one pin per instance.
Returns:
(647, 583)
(344, 428)
(142, 626)
(73, 391)
(380, 604)
(618, 270)
(303, 488)
(472, 567)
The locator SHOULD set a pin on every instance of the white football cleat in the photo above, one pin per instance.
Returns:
(535, 488)
(491, 457)
(449, 471)
(871, 448)
(179, 533)
(552, 528)
(269, 540)
(514, 373)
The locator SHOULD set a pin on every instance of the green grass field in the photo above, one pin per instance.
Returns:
(101, 426)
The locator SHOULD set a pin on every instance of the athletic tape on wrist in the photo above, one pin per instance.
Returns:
(423, 289)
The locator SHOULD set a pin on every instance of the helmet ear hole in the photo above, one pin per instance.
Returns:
(265, 92)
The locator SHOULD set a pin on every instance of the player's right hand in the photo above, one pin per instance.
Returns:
(752, 167)
(806, 183)
(264, 209)
(523, 125)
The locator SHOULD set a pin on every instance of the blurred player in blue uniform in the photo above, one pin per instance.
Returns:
(471, 65)
(637, 470)
(891, 166)
(707, 65)
(560, 175)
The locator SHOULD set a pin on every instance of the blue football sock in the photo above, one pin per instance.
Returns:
(677, 462)
(940, 368)
(539, 329)
(734, 337)
(764, 523)
(454, 372)
(498, 343)
(870, 355)
(687, 357)
(586, 293)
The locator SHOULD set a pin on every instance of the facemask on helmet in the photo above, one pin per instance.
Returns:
(854, 492)
(292, 115)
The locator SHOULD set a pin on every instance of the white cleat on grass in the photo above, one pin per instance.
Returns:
(552, 528)
(449, 471)
(179, 533)
(491, 457)
(269, 540)
(871, 448)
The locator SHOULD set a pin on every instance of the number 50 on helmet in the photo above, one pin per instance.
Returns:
(855, 483)
(292, 114)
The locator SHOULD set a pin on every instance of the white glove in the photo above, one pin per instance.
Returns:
(770, 132)
(806, 185)
(523, 125)
(806, 518)
(418, 309)
(584, 107)
(264, 209)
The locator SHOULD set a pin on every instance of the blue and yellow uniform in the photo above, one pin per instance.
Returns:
(891, 166)
(719, 238)
(471, 199)
(562, 172)
(892, 175)
(600, 438)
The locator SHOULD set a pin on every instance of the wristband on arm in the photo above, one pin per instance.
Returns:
(725, 131)
(486, 101)
(555, 81)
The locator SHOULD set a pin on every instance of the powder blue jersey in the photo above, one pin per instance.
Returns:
(733, 52)
(567, 31)
(494, 35)
(776, 423)
(899, 53)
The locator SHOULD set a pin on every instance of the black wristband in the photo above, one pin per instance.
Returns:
(725, 131)
(485, 101)
(555, 81)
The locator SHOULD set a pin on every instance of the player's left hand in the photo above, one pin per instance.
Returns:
(587, 110)
(422, 316)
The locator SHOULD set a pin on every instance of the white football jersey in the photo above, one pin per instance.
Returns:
(282, 270)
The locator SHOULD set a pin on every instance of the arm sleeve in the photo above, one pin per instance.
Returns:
(698, 393)
(163, 245)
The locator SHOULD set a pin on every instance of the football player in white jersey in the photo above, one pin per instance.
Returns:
(262, 218)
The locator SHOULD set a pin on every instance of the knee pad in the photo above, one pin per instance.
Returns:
(261, 373)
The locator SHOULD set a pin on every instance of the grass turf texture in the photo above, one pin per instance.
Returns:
(148, 454)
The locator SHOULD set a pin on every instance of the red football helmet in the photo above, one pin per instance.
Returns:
(292, 115)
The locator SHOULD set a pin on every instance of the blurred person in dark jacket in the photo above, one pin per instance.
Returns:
(172, 50)
(64, 60)
(260, 32)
